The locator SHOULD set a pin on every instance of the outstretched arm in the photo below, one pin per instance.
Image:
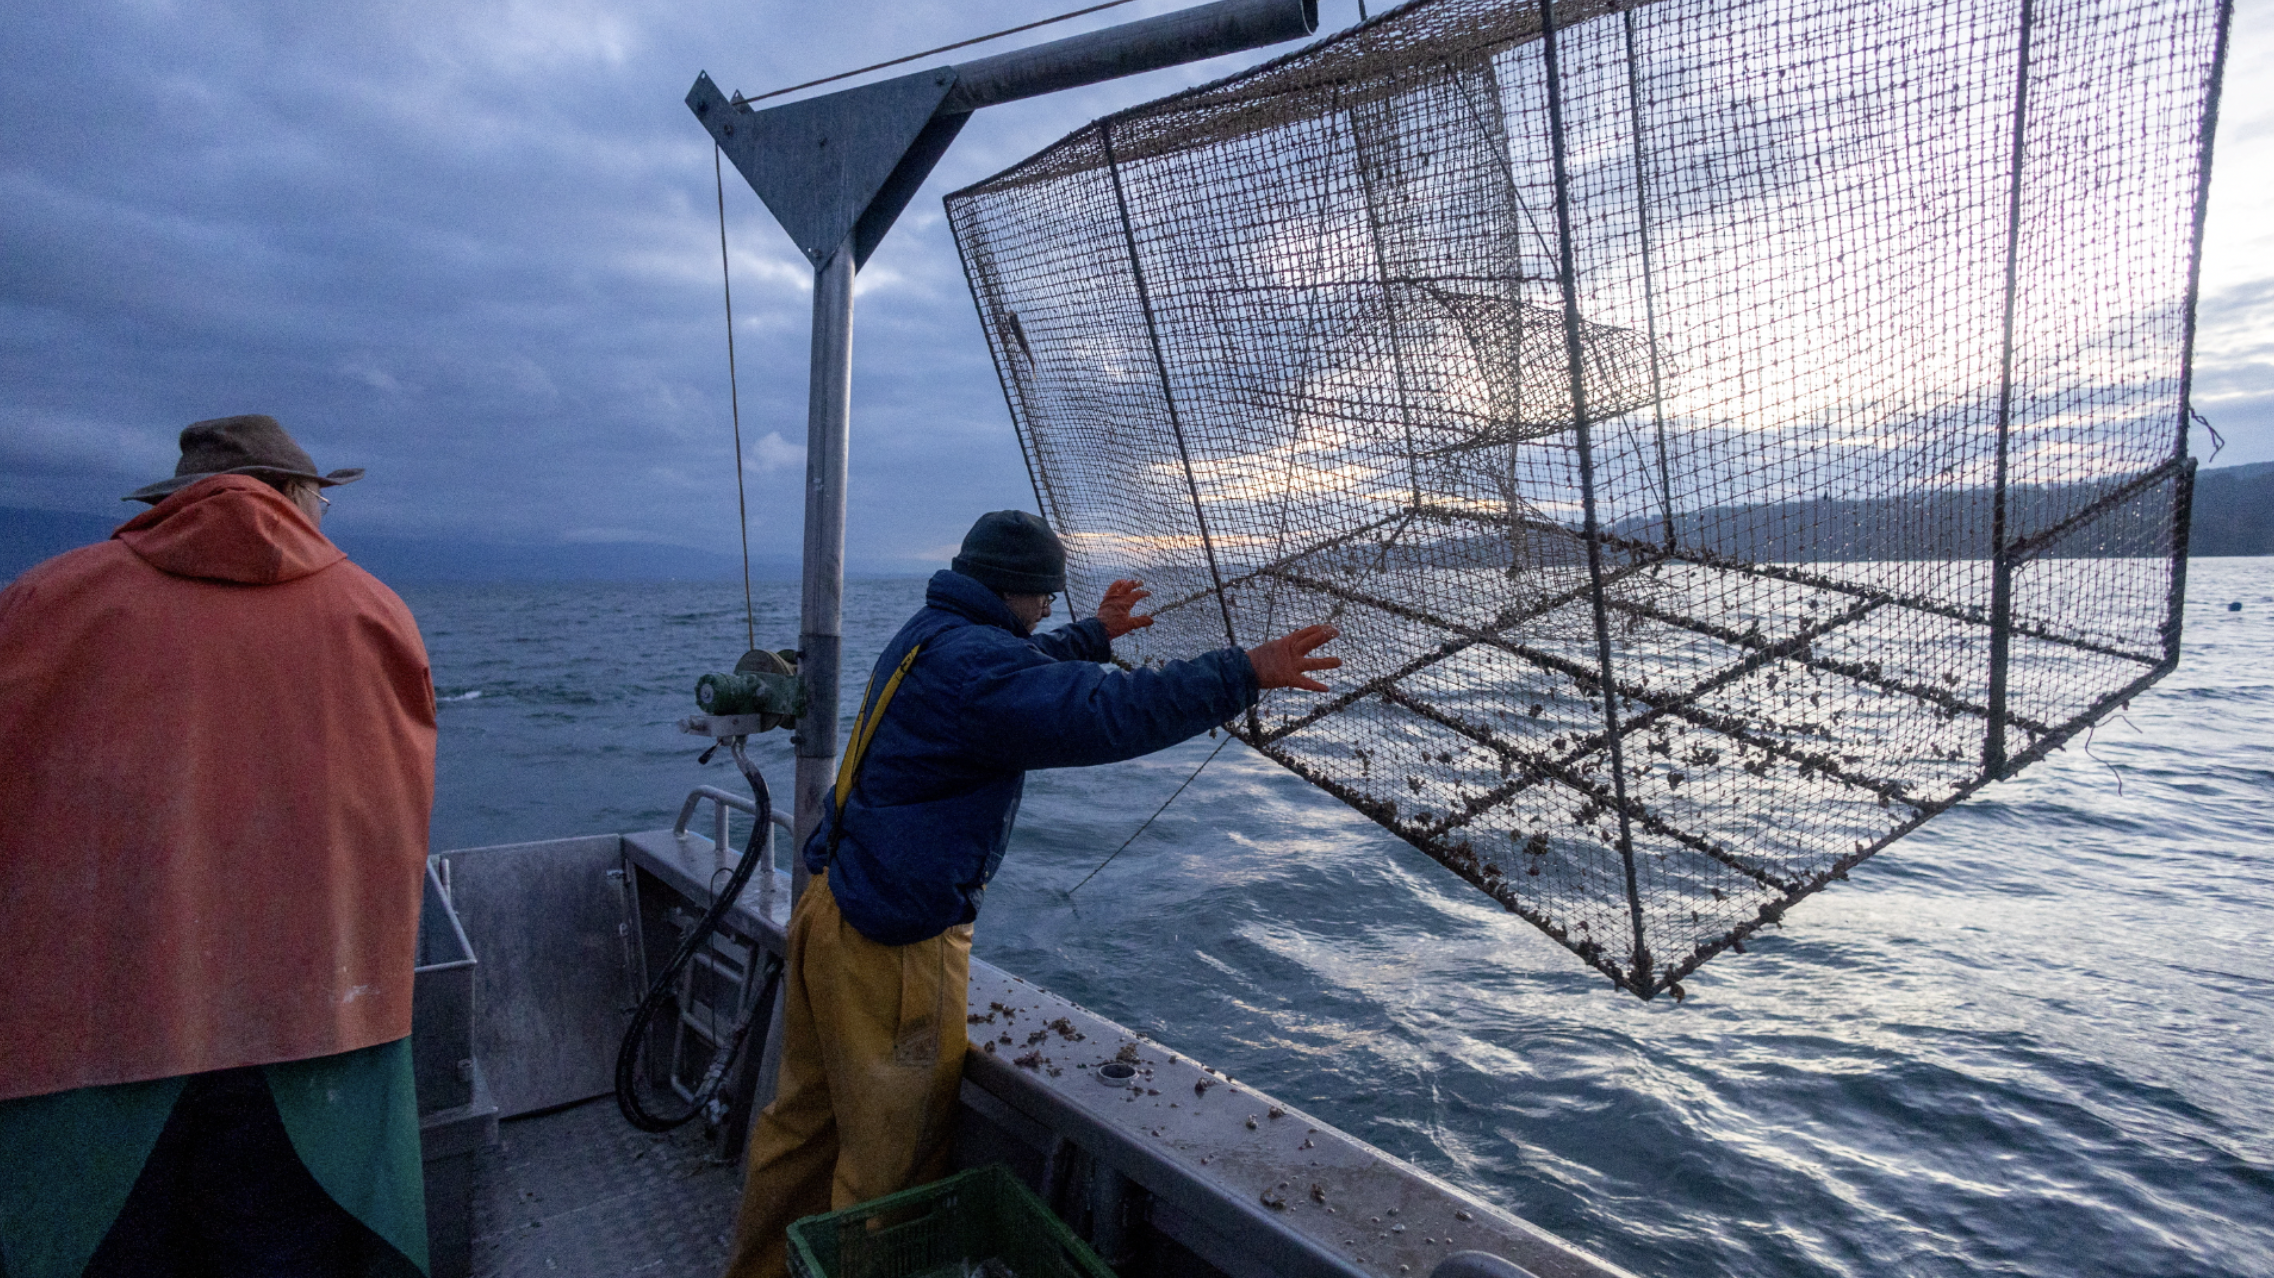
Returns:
(1085, 640)
(1066, 714)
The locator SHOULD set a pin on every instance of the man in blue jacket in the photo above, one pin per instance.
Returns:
(965, 700)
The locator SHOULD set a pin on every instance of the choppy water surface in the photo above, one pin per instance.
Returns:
(2035, 1038)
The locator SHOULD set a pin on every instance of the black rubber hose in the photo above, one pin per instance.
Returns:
(628, 1055)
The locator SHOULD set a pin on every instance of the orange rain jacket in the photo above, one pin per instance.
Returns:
(216, 769)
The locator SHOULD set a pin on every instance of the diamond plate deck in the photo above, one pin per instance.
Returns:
(578, 1193)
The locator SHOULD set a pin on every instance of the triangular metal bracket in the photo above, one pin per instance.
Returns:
(846, 163)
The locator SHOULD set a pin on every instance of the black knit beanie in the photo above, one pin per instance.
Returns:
(1013, 553)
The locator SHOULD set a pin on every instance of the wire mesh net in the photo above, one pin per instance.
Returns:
(1726, 434)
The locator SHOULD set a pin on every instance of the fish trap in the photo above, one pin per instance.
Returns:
(1727, 434)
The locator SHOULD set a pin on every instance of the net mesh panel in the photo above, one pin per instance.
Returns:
(1719, 455)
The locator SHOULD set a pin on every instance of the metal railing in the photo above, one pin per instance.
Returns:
(721, 802)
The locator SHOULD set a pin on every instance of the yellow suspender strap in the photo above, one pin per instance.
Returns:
(864, 730)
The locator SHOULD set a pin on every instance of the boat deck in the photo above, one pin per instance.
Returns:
(1169, 1167)
(580, 1193)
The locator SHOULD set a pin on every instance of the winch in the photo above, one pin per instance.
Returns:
(763, 685)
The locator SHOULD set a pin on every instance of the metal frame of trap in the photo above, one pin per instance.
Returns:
(837, 170)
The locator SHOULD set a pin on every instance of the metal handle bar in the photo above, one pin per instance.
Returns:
(739, 802)
(721, 800)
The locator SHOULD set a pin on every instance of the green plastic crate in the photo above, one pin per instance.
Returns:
(947, 1229)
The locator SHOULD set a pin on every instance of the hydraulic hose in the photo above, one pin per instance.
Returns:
(761, 1010)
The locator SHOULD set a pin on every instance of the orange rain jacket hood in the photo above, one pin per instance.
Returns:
(216, 769)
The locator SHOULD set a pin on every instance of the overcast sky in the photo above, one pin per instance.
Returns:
(472, 246)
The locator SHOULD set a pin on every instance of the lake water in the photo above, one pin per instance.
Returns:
(2035, 1038)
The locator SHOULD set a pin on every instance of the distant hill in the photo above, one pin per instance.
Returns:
(2234, 515)
(2234, 511)
(29, 536)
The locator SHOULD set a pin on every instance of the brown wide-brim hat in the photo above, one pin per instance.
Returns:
(251, 444)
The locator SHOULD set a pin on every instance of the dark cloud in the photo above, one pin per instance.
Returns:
(472, 246)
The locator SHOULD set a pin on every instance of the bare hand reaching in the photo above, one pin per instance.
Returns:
(1286, 662)
(1113, 612)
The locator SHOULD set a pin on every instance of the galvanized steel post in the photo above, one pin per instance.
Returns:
(821, 608)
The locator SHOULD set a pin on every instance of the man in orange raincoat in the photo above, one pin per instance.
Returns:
(216, 768)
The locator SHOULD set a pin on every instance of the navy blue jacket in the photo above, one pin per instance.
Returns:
(931, 808)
